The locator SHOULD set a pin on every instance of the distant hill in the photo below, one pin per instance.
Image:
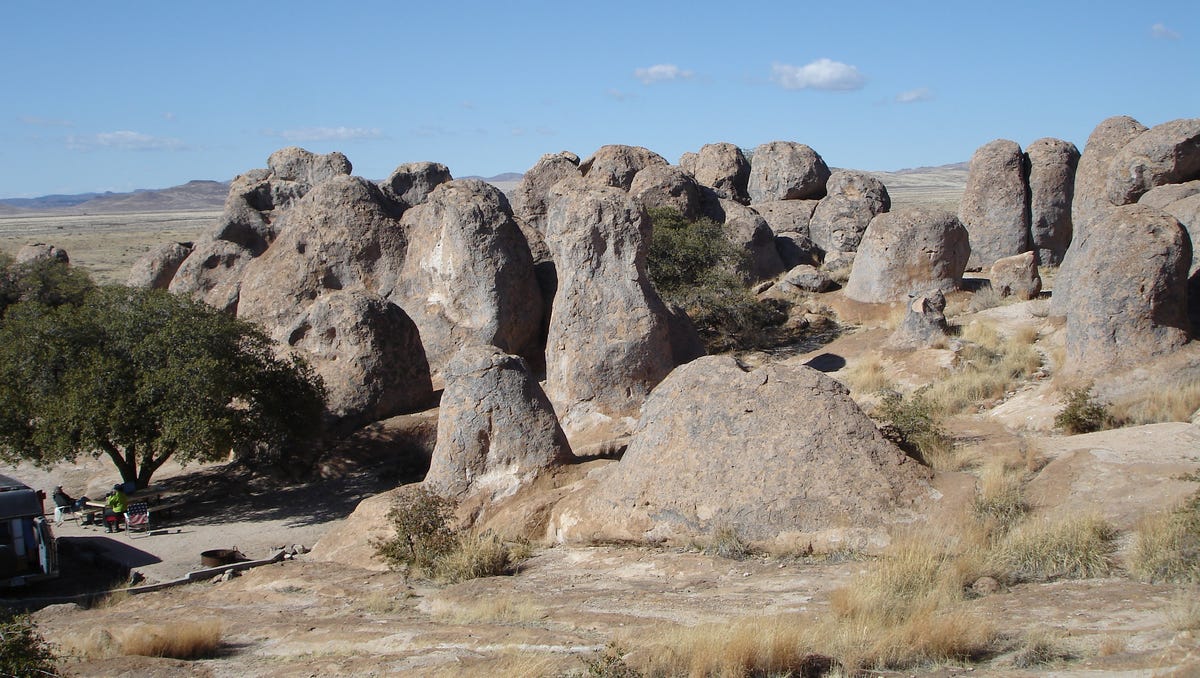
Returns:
(192, 196)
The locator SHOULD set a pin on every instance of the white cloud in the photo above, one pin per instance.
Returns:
(661, 73)
(821, 74)
(124, 140)
(1159, 30)
(327, 134)
(915, 95)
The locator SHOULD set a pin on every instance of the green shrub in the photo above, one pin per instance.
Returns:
(23, 651)
(422, 523)
(1081, 414)
(693, 266)
(913, 425)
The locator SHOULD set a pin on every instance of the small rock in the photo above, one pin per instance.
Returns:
(985, 586)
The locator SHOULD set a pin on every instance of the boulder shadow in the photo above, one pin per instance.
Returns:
(826, 362)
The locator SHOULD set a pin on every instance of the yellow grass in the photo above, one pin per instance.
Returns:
(999, 501)
(1072, 547)
(867, 374)
(990, 365)
(499, 609)
(1158, 404)
(177, 640)
(1165, 545)
(475, 554)
(1111, 645)
(1184, 613)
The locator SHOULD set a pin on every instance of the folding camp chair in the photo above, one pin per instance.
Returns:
(137, 518)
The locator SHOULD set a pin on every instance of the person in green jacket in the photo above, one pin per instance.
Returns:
(114, 508)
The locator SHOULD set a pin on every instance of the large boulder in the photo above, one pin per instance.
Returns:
(722, 167)
(1016, 276)
(609, 338)
(41, 251)
(1165, 154)
(913, 248)
(788, 216)
(212, 273)
(1161, 196)
(781, 455)
(496, 428)
(995, 203)
(1187, 211)
(617, 165)
(307, 168)
(411, 183)
(1090, 202)
(751, 233)
(1129, 303)
(924, 323)
(796, 249)
(367, 351)
(343, 234)
(529, 198)
(786, 170)
(468, 274)
(159, 265)
(667, 187)
(854, 198)
(1052, 165)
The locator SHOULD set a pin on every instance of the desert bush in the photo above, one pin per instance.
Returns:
(610, 663)
(999, 501)
(423, 533)
(474, 555)
(913, 424)
(694, 266)
(1082, 414)
(1176, 402)
(1075, 547)
(725, 542)
(23, 650)
(1167, 546)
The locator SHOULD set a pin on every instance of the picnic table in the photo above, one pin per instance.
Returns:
(153, 496)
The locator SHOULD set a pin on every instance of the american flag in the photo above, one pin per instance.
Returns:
(138, 515)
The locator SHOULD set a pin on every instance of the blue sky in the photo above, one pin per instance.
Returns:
(137, 94)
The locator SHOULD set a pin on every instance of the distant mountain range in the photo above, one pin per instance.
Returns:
(197, 196)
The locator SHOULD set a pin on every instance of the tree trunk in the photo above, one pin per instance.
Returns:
(126, 462)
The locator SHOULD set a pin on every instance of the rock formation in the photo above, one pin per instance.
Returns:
(751, 233)
(1052, 165)
(788, 216)
(608, 343)
(496, 428)
(468, 274)
(40, 251)
(781, 455)
(159, 266)
(924, 323)
(529, 198)
(786, 170)
(1129, 300)
(854, 198)
(411, 183)
(723, 168)
(616, 165)
(1016, 276)
(212, 273)
(1165, 154)
(995, 203)
(665, 186)
(908, 249)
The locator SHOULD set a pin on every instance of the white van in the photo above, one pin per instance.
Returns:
(27, 549)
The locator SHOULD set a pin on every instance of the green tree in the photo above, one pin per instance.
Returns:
(48, 281)
(695, 267)
(23, 651)
(143, 376)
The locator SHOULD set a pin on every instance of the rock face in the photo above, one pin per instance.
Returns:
(781, 455)
(1017, 276)
(468, 276)
(995, 203)
(608, 343)
(368, 352)
(842, 216)
(1052, 165)
(796, 249)
(307, 168)
(724, 168)
(159, 266)
(529, 199)
(1129, 303)
(924, 323)
(751, 233)
(496, 428)
(341, 235)
(212, 273)
(1187, 211)
(616, 165)
(1091, 197)
(1165, 154)
(908, 249)
(805, 278)
(39, 251)
(1161, 196)
(785, 170)
(411, 183)
(784, 216)
(665, 186)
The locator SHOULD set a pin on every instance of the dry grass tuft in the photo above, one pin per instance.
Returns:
(990, 365)
(1111, 645)
(1075, 547)
(999, 502)
(1184, 613)
(725, 542)
(474, 555)
(770, 646)
(176, 640)
(867, 374)
(1167, 545)
(499, 609)
(1040, 648)
(382, 602)
(1157, 405)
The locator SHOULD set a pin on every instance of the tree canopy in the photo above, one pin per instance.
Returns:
(143, 376)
